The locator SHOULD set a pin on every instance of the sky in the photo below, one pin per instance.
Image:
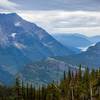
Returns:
(58, 16)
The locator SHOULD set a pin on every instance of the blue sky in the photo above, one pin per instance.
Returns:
(58, 16)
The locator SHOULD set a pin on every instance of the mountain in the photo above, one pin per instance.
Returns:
(45, 71)
(95, 39)
(89, 58)
(74, 40)
(22, 43)
(29, 39)
(37, 73)
(5, 76)
(74, 49)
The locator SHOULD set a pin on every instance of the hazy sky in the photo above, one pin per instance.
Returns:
(58, 16)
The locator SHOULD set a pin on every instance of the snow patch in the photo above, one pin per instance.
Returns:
(83, 48)
(50, 44)
(17, 24)
(86, 48)
(13, 35)
(19, 45)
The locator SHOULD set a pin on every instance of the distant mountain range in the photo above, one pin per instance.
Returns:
(52, 68)
(45, 71)
(20, 39)
(76, 40)
(22, 43)
(29, 51)
(89, 58)
(95, 39)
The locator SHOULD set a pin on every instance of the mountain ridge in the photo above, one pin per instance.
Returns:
(75, 40)
(89, 58)
(22, 43)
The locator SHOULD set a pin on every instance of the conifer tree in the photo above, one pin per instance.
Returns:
(18, 89)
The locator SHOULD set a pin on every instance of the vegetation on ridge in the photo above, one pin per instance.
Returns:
(79, 85)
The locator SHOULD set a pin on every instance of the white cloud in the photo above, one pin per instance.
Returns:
(65, 21)
(58, 16)
(86, 22)
(68, 5)
(6, 4)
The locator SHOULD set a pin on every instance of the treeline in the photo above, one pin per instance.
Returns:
(75, 85)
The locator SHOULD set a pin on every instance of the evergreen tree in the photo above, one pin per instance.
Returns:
(79, 85)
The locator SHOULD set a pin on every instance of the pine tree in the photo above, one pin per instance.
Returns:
(23, 90)
(18, 89)
(27, 91)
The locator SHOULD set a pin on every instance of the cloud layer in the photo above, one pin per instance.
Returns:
(62, 21)
(68, 5)
(7, 5)
(58, 16)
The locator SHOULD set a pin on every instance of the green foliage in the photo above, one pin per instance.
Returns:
(75, 85)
